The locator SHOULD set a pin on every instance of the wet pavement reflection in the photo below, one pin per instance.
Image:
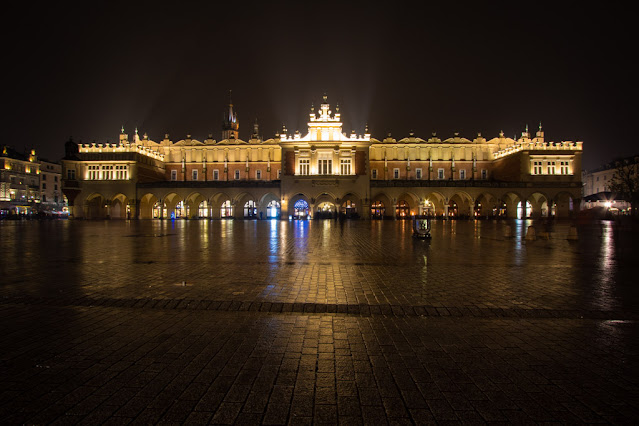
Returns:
(465, 264)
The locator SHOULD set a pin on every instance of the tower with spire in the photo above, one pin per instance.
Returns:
(230, 125)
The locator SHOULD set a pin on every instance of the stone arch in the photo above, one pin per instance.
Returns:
(96, 206)
(434, 203)
(508, 204)
(217, 201)
(461, 204)
(119, 207)
(148, 208)
(541, 207)
(485, 205)
(193, 201)
(169, 204)
(269, 199)
(381, 206)
(350, 206)
(245, 206)
(406, 205)
(325, 206)
(290, 206)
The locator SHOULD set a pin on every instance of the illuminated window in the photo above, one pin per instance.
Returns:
(194, 174)
(395, 173)
(226, 210)
(216, 174)
(173, 174)
(325, 166)
(418, 174)
(374, 173)
(440, 173)
(345, 166)
(563, 167)
(551, 167)
(536, 167)
(305, 166)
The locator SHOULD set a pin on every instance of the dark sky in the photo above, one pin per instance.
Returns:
(85, 69)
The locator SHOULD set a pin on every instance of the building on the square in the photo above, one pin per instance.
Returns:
(323, 173)
(597, 193)
(19, 182)
(52, 201)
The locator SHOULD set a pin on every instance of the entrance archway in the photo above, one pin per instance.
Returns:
(250, 210)
(325, 210)
(402, 210)
(273, 210)
(349, 209)
(226, 210)
(300, 209)
(377, 210)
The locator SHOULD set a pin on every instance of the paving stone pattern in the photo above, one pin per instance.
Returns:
(232, 322)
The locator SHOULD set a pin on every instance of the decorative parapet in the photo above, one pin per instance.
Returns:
(121, 147)
(539, 146)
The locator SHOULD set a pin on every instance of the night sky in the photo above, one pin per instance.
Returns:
(86, 69)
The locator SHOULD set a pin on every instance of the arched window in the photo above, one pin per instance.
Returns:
(250, 211)
(273, 209)
(203, 210)
(301, 209)
(180, 211)
(226, 210)
(377, 210)
(402, 210)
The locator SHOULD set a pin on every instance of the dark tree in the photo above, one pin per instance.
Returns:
(625, 181)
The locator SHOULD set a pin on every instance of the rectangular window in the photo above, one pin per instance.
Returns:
(462, 174)
(345, 166)
(71, 174)
(484, 174)
(194, 174)
(563, 166)
(440, 173)
(55, 187)
(551, 167)
(325, 167)
(258, 174)
(55, 178)
(537, 168)
(305, 166)
(395, 173)
(279, 174)
(44, 177)
(418, 174)
(237, 175)
(216, 174)
(173, 174)
(44, 186)
(374, 173)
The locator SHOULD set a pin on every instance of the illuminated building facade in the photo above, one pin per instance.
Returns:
(29, 185)
(596, 188)
(324, 173)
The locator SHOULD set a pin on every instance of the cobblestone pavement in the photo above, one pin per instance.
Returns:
(325, 322)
